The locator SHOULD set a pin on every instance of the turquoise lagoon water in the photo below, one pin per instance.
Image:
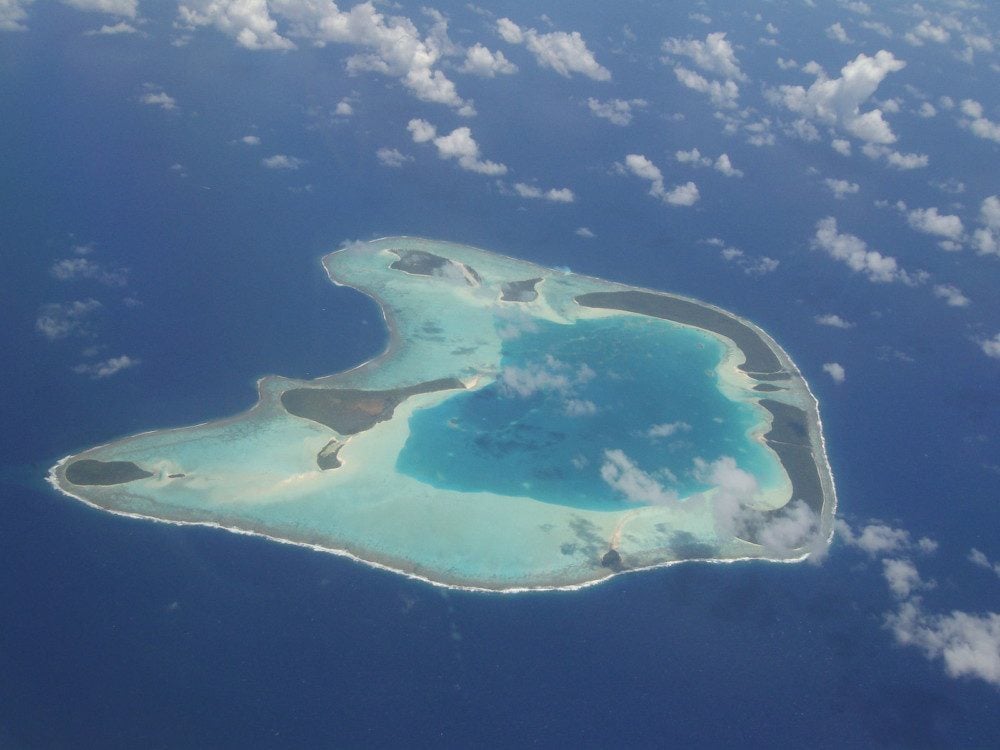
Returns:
(611, 382)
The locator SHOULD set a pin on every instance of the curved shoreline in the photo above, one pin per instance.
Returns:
(264, 397)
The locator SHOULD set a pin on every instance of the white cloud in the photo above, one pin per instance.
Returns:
(795, 528)
(841, 146)
(122, 27)
(458, 144)
(667, 429)
(833, 321)
(979, 559)
(925, 31)
(282, 161)
(835, 371)
(13, 14)
(421, 130)
(390, 45)
(693, 157)
(107, 368)
(722, 94)
(621, 474)
(929, 221)
(480, 61)
(986, 239)
(714, 55)
(680, 195)
(837, 101)
(565, 53)
(878, 27)
(584, 232)
(856, 6)
(560, 195)
(968, 643)
(58, 321)
(841, 188)
(156, 97)
(951, 294)
(725, 166)
(837, 33)
(786, 64)
(391, 157)
(617, 111)
(991, 347)
(902, 576)
(344, 108)
(127, 8)
(895, 159)
(875, 538)
(853, 251)
(250, 140)
(546, 377)
(978, 123)
(69, 269)
(576, 407)
(927, 110)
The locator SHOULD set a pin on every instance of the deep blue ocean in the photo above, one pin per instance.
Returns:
(116, 633)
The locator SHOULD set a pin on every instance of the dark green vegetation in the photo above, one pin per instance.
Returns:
(327, 458)
(421, 263)
(519, 291)
(87, 471)
(350, 411)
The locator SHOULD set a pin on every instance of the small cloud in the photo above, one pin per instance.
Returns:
(250, 140)
(565, 53)
(930, 221)
(788, 64)
(107, 368)
(980, 560)
(991, 347)
(902, 577)
(555, 195)
(584, 232)
(895, 159)
(157, 97)
(667, 429)
(968, 644)
(121, 27)
(841, 146)
(841, 188)
(874, 539)
(679, 195)
(837, 33)
(458, 145)
(576, 407)
(60, 320)
(391, 157)
(835, 371)
(71, 269)
(282, 161)
(833, 321)
(855, 253)
(951, 294)
(344, 108)
(480, 61)
(616, 111)
(637, 486)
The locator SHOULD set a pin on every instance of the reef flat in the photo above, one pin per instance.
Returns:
(525, 428)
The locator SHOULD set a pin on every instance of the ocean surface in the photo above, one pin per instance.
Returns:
(118, 633)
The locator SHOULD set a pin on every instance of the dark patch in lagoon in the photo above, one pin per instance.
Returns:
(767, 388)
(519, 291)
(87, 471)
(422, 263)
(327, 458)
